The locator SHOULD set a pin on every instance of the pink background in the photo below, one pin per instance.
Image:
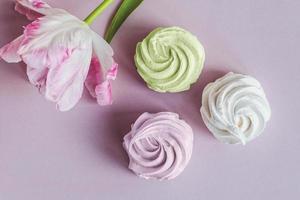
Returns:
(77, 155)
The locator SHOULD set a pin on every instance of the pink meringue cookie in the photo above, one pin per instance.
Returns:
(159, 145)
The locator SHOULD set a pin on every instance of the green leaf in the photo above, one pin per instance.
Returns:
(126, 8)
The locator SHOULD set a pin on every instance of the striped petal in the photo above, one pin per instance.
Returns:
(34, 9)
(9, 52)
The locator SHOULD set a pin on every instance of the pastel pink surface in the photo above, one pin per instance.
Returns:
(46, 154)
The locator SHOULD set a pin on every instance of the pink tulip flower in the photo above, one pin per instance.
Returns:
(63, 54)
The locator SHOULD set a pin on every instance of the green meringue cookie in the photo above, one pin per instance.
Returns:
(169, 59)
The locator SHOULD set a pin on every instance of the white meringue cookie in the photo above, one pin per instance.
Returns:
(159, 145)
(235, 108)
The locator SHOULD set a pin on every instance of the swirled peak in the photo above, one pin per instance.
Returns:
(159, 146)
(169, 59)
(235, 108)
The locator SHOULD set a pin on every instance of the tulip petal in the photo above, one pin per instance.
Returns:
(51, 32)
(38, 76)
(104, 93)
(9, 52)
(72, 94)
(103, 51)
(98, 82)
(36, 59)
(95, 76)
(34, 9)
(112, 72)
(65, 82)
(37, 67)
(100, 74)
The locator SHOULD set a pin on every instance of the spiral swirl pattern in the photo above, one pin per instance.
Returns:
(169, 59)
(235, 108)
(159, 145)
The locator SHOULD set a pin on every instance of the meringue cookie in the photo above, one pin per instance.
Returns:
(169, 59)
(235, 108)
(159, 145)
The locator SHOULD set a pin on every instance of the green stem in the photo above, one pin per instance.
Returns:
(90, 19)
